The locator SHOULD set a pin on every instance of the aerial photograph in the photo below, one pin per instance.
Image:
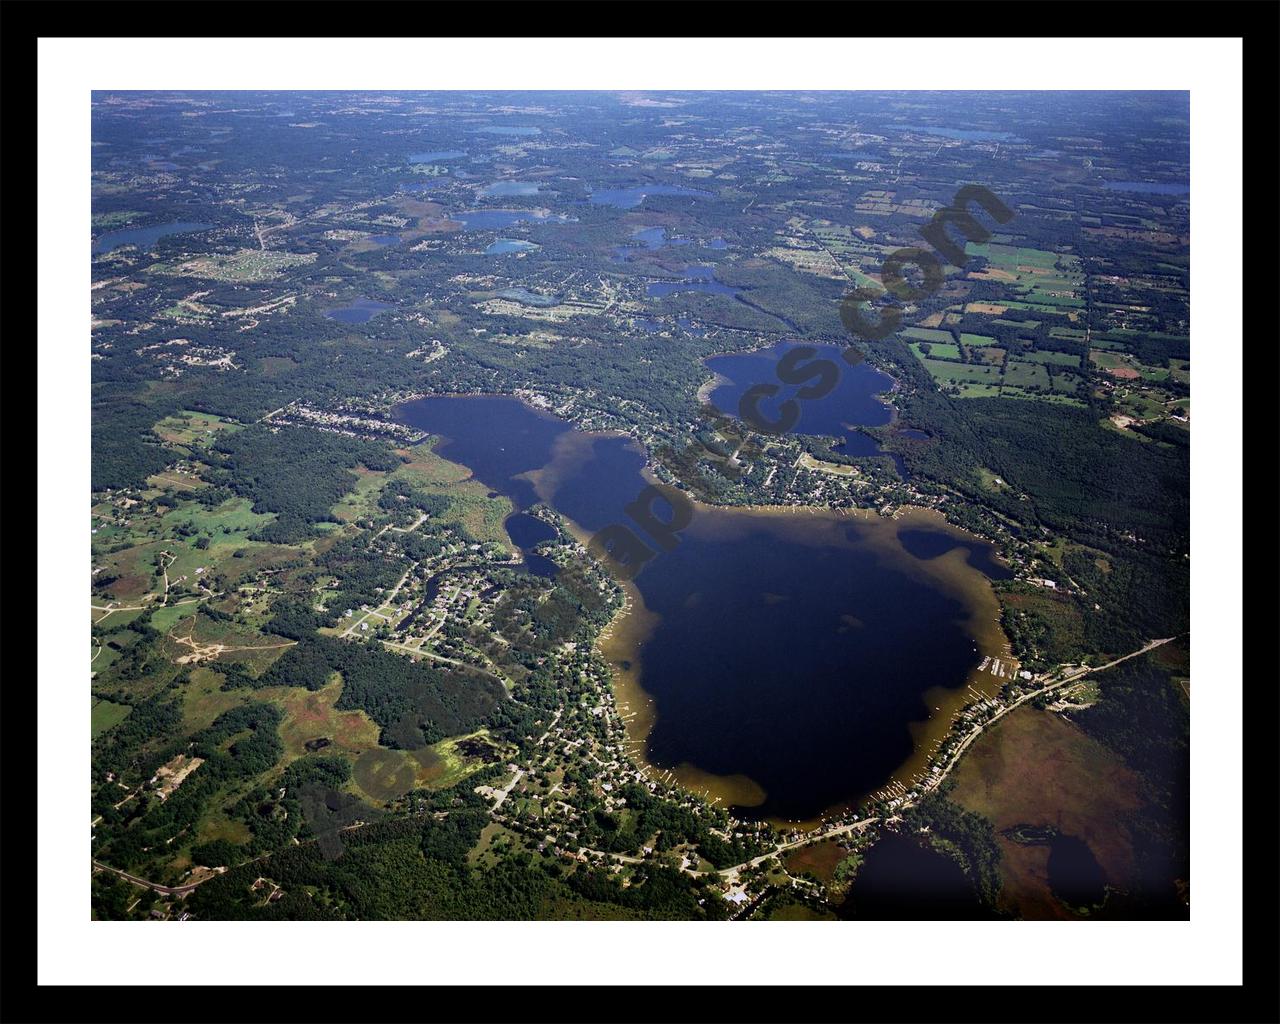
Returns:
(616, 506)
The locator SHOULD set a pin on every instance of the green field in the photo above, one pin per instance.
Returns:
(188, 428)
(976, 340)
(962, 372)
(1012, 392)
(928, 334)
(1053, 358)
(937, 351)
(1141, 407)
(235, 515)
(1011, 256)
(115, 220)
(1021, 374)
(1108, 361)
(1044, 306)
(1044, 282)
(105, 715)
(1025, 377)
(979, 391)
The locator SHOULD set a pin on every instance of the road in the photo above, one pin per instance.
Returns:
(506, 790)
(434, 657)
(731, 873)
(386, 601)
(403, 529)
(167, 890)
(554, 720)
(275, 412)
(1056, 684)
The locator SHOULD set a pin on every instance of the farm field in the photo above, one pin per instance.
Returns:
(937, 351)
(1055, 358)
(947, 372)
(929, 334)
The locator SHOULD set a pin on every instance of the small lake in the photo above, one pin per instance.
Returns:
(652, 326)
(360, 311)
(901, 879)
(492, 220)
(647, 240)
(774, 658)
(502, 246)
(511, 188)
(1075, 876)
(656, 327)
(526, 533)
(694, 279)
(144, 238)
(852, 403)
(653, 238)
(629, 198)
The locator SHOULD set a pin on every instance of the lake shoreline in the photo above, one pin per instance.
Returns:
(621, 641)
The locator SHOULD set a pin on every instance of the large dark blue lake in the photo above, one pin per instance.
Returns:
(775, 659)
